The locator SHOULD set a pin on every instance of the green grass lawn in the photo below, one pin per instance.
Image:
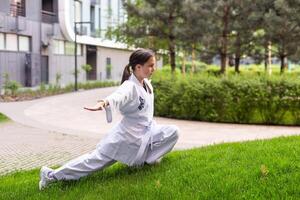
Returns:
(3, 118)
(267, 169)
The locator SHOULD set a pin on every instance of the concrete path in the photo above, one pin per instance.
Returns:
(24, 147)
(63, 117)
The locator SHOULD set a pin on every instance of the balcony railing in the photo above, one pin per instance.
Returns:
(49, 17)
(17, 9)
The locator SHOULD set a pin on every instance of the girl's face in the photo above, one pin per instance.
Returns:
(146, 70)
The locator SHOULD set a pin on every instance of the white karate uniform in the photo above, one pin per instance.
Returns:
(136, 139)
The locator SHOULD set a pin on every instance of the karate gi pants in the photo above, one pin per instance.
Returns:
(163, 142)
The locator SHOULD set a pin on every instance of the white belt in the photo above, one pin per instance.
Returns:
(138, 159)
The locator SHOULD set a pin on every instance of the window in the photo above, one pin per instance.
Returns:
(99, 25)
(108, 61)
(2, 46)
(108, 68)
(109, 4)
(69, 48)
(77, 11)
(66, 48)
(17, 8)
(11, 42)
(92, 18)
(24, 43)
(14, 42)
(59, 47)
(47, 5)
(119, 10)
(79, 51)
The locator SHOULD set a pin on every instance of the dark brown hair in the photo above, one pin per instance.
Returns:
(140, 56)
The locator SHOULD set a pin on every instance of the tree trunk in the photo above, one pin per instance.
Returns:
(172, 55)
(171, 41)
(270, 57)
(224, 39)
(266, 57)
(223, 62)
(237, 54)
(282, 63)
(183, 64)
(193, 58)
(237, 63)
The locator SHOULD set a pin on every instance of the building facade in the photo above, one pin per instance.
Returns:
(37, 40)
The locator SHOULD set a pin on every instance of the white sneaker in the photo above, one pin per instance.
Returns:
(44, 177)
(156, 162)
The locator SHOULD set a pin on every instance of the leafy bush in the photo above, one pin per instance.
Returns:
(11, 87)
(53, 89)
(86, 67)
(232, 98)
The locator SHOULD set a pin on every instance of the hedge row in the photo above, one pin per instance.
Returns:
(236, 99)
(22, 94)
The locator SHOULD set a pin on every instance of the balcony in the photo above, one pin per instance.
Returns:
(95, 2)
(17, 9)
(49, 17)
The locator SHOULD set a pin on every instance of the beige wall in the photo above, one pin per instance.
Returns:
(119, 59)
(65, 65)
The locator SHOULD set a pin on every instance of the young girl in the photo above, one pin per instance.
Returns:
(136, 139)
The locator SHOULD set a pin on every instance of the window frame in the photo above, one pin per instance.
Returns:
(6, 42)
(29, 43)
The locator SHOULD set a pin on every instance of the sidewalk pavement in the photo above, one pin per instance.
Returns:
(55, 129)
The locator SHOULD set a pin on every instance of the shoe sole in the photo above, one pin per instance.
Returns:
(40, 185)
(40, 182)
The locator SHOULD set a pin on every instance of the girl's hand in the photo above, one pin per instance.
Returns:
(99, 106)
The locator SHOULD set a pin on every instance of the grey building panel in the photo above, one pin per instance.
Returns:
(47, 33)
(36, 69)
(4, 6)
(33, 8)
(119, 58)
(21, 23)
(12, 63)
(2, 21)
(11, 24)
(65, 66)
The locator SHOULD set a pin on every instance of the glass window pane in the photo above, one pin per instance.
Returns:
(2, 41)
(61, 45)
(24, 43)
(69, 48)
(79, 49)
(55, 46)
(58, 47)
(78, 11)
(11, 42)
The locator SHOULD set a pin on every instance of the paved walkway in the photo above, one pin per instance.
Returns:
(55, 129)
(24, 147)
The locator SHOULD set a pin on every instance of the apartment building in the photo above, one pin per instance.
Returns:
(37, 40)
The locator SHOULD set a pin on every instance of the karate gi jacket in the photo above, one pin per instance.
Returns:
(129, 140)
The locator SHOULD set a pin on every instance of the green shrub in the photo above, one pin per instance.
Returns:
(10, 87)
(3, 118)
(86, 67)
(231, 98)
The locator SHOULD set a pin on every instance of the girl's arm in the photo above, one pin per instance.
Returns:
(101, 104)
(116, 100)
(124, 94)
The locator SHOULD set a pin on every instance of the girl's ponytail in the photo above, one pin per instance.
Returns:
(126, 73)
